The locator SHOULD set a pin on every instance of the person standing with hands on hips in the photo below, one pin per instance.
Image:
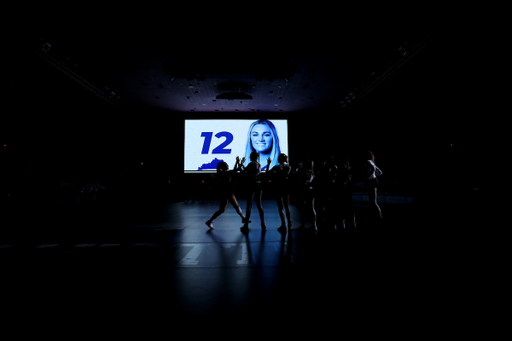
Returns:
(371, 172)
(304, 176)
(280, 176)
(253, 184)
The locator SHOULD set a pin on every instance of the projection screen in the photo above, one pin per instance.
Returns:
(208, 142)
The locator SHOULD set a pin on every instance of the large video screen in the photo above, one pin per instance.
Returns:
(208, 142)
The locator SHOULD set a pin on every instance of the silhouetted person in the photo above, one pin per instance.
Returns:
(280, 177)
(226, 191)
(325, 183)
(252, 173)
(370, 173)
(303, 177)
(346, 217)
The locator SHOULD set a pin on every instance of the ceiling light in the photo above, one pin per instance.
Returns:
(46, 47)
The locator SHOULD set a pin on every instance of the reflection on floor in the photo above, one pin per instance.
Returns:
(163, 263)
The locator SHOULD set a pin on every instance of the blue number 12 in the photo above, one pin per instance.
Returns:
(220, 149)
(207, 142)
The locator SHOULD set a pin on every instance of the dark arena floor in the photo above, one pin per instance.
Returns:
(126, 266)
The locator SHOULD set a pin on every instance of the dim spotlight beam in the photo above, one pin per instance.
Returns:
(42, 53)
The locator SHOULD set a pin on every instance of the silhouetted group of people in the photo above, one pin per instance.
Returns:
(322, 194)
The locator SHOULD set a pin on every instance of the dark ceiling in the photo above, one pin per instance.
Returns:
(199, 61)
(267, 62)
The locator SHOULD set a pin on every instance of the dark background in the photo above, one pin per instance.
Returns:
(426, 123)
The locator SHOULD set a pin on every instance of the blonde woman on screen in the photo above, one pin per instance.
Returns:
(262, 138)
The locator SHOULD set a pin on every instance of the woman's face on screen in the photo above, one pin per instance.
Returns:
(261, 138)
